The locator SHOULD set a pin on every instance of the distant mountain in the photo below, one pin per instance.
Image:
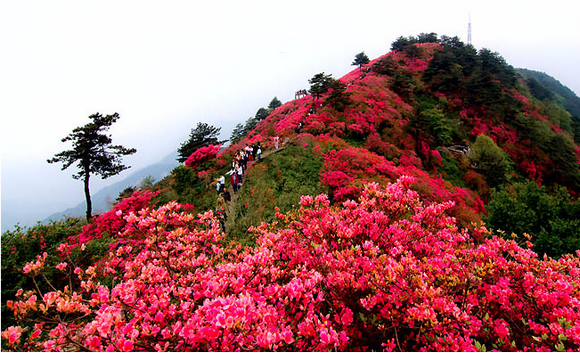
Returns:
(104, 198)
(551, 88)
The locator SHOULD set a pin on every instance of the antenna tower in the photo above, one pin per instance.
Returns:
(469, 30)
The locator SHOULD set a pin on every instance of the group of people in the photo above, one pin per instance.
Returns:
(239, 167)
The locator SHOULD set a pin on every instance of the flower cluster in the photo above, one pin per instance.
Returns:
(109, 223)
(201, 155)
(383, 272)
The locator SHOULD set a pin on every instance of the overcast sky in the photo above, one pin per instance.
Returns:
(166, 65)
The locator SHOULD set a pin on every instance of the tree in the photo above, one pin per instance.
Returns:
(237, 133)
(250, 125)
(489, 159)
(360, 59)
(203, 135)
(338, 98)
(319, 84)
(262, 114)
(552, 219)
(401, 42)
(427, 38)
(275, 103)
(94, 152)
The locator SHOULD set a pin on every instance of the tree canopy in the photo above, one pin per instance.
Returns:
(274, 103)
(488, 158)
(203, 135)
(360, 59)
(319, 84)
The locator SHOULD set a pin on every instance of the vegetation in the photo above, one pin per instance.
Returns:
(360, 59)
(319, 84)
(203, 135)
(553, 219)
(277, 182)
(424, 167)
(487, 158)
(93, 152)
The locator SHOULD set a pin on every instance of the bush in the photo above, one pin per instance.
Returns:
(20, 246)
(487, 158)
(385, 272)
(552, 220)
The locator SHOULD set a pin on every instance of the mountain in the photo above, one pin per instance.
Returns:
(539, 81)
(425, 201)
(106, 197)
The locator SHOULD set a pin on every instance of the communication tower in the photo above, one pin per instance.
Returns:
(469, 30)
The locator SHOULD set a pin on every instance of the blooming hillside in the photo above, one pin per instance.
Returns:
(404, 157)
(384, 272)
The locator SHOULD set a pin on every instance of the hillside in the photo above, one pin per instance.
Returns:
(383, 221)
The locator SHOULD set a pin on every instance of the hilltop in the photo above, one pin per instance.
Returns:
(383, 220)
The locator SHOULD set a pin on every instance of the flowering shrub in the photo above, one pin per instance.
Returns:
(110, 222)
(383, 272)
(201, 155)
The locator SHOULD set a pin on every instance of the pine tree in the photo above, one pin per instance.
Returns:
(237, 134)
(203, 135)
(94, 152)
(360, 59)
(275, 103)
(319, 84)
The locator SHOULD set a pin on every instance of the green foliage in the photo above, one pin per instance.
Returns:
(452, 171)
(553, 220)
(430, 122)
(458, 69)
(147, 183)
(405, 44)
(400, 43)
(183, 178)
(278, 181)
(94, 152)
(385, 66)
(360, 59)
(128, 191)
(22, 245)
(538, 90)
(274, 103)
(427, 38)
(564, 163)
(262, 114)
(564, 95)
(487, 158)
(402, 83)
(203, 135)
(558, 116)
(338, 98)
(250, 125)
(438, 125)
(237, 133)
(319, 84)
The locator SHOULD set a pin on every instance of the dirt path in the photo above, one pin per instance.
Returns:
(231, 206)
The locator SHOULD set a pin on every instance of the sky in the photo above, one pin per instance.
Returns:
(166, 65)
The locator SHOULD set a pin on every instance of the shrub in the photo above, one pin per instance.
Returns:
(383, 272)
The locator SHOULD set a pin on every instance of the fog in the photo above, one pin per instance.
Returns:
(164, 66)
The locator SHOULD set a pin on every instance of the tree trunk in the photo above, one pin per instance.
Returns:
(88, 196)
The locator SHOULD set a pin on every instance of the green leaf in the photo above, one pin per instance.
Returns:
(562, 337)
(560, 347)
